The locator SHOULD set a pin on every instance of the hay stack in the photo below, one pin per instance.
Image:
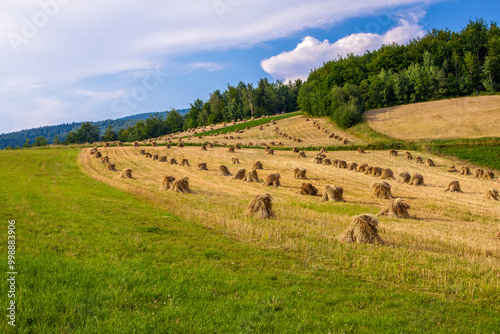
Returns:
(98, 155)
(341, 164)
(488, 175)
(361, 168)
(235, 161)
(240, 174)
(168, 146)
(387, 174)
(155, 157)
(180, 144)
(362, 230)
(417, 180)
(454, 186)
(452, 169)
(106, 144)
(105, 159)
(327, 162)
(393, 153)
(404, 177)
(201, 166)
(398, 209)
(270, 151)
(368, 170)
(136, 144)
(300, 173)
(172, 161)
(382, 189)
(261, 207)
(360, 150)
(126, 174)
(418, 160)
(295, 150)
(142, 152)
(272, 180)
(184, 162)
(223, 171)
(162, 158)
(203, 148)
(493, 194)
(302, 154)
(307, 189)
(317, 160)
(464, 170)
(154, 144)
(323, 150)
(376, 171)
(478, 173)
(111, 167)
(430, 163)
(231, 149)
(257, 165)
(93, 150)
(166, 183)
(408, 156)
(352, 165)
(210, 145)
(332, 193)
(119, 143)
(148, 155)
(251, 176)
(180, 185)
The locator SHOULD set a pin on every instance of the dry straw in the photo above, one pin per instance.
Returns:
(398, 209)
(454, 186)
(251, 176)
(126, 174)
(201, 166)
(332, 193)
(272, 180)
(300, 173)
(180, 185)
(307, 189)
(223, 171)
(382, 189)
(261, 207)
(417, 180)
(240, 174)
(362, 230)
(166, 183)
(493, 194)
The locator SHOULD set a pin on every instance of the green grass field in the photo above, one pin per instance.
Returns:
(93, 259)
(483, 153)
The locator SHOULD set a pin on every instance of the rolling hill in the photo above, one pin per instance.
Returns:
(467, 117)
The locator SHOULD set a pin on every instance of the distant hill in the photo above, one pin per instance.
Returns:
(18, 138)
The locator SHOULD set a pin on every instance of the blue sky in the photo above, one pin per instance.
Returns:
(74, 60)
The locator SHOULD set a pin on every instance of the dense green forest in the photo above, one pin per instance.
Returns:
(441, 64)
(235, 102)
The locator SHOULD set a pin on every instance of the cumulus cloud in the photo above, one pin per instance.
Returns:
(312, 53)
(58, 44)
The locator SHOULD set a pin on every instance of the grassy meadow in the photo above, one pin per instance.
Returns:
(100, 254)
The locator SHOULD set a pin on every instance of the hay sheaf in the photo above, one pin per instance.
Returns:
(382, 189)
(493, 194)
(184, 162)
(454, 186)
(155, 157)
(362, 230)
(317, 160)
(327, 161)
(98, 155)
(251, 176)
(430, 163)
(111, 167)
(360, 150)
(223, 171)
(404, 177)
(398, 209)
(488, 175)
(478, 173)
(235, 161)
(361, 168)
(418, 160)
(332, 193)
(126, 174)
(352, 166)
(417, 180)
(393, 153)
(272, 180)
(300, 173)
(408, 156)
(302, 154)
(307, 189)
(172, 161)
(452, 169)
(162, 158)
(201, 166)
(464, 170)
(240, 174)
(203, 148)
(295, 150)
(387, 174)
(261, 207)
(181, 185)
(166, 183)
(376, 171)
(257, 165)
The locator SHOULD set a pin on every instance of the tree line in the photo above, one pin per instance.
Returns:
(441, 64)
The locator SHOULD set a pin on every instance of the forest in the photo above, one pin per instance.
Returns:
(442, 64)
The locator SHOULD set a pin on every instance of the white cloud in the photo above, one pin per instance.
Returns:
(204, 66)
(60, 43)
(312, 53)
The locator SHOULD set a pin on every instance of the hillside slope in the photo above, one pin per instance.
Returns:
(468, 117)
